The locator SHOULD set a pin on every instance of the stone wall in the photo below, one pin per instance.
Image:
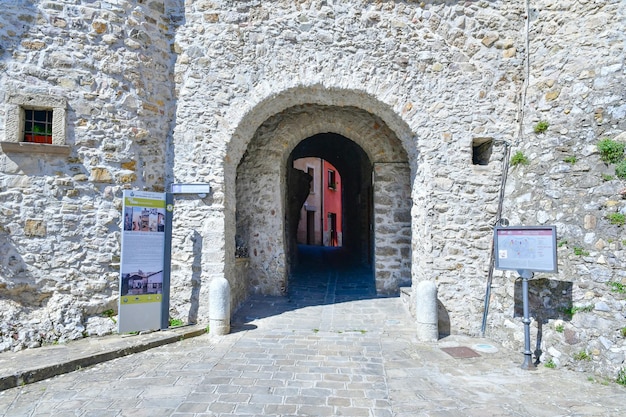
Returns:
(163, 91)
(60, 228)
(392, 225)
(579, 91)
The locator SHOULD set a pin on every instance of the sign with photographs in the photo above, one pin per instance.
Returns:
(142, 261)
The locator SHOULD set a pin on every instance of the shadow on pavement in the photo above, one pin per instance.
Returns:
(324, 275)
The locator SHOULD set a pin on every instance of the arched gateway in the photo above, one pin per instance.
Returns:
(377, 182)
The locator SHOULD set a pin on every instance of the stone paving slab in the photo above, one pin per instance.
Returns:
(32, 365)
(330, 348)
(356, 358)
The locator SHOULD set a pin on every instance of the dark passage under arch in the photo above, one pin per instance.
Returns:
(355, 169)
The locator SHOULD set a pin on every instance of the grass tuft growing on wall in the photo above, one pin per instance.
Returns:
(519, 159)
(611, 151)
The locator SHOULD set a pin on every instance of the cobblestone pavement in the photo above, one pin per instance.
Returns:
(332, 348)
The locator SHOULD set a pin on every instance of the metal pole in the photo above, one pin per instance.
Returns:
(167, 261)
(483, 327)
(528, 363)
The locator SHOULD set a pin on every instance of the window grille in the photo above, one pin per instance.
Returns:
(38, 126)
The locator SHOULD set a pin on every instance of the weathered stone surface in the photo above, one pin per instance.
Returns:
(101, 175)
(34, 228)
(221, 92)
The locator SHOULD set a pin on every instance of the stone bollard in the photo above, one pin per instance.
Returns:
(219, 306)
(426, 311)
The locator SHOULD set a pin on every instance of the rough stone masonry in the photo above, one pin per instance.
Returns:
(444, 99)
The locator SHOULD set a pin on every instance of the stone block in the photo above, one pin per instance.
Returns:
(99, 26)
(101, 175)
(34, 227)
(590, 222)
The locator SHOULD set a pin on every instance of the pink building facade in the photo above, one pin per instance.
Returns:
(320, 220)
(331, 205)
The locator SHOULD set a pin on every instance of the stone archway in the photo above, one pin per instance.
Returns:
(261, 192)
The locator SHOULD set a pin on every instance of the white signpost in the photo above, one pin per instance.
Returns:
(526, 249)
(146, 257)
(142, 261)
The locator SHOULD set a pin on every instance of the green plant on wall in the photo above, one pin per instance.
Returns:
(571, 310)
(621, 376)
(541, 126)
(582, 356)
(570, 159)
(584, 309)
(110, 313)
(550, 364)
(620, 170)
(175, 322)
(607, 177)
(617, 219)
(519, 159)
(611, 151)
(617, 287)
(578, 251)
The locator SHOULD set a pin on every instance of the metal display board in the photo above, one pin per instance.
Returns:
(528, 248)
(146, 257)
(142, 261)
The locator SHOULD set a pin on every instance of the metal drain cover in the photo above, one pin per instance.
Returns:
(461, 352)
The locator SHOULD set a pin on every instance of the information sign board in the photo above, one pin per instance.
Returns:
(142, 261)
(527, 248)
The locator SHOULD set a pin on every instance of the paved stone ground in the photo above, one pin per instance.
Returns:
(329, 349)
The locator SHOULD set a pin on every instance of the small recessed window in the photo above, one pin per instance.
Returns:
(38, 126)
(35, 123)
(311, 172)
(331, 179)
(481, 150)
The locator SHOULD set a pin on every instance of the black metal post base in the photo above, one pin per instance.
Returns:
(528, 355)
